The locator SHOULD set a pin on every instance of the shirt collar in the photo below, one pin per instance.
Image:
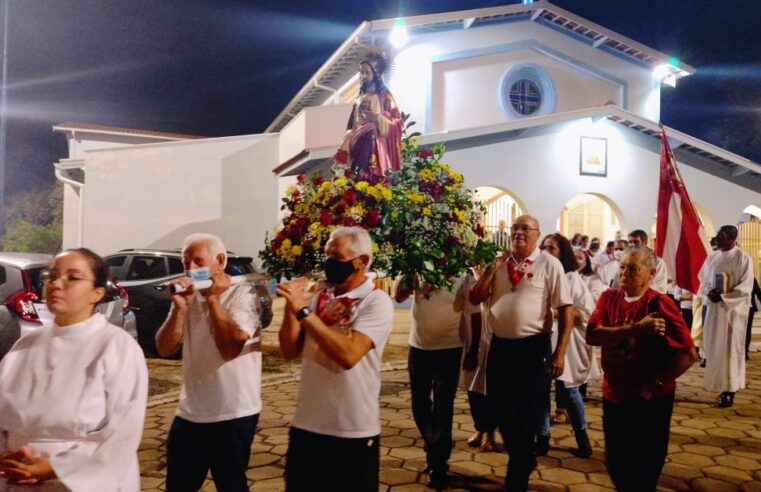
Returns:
(362, 290)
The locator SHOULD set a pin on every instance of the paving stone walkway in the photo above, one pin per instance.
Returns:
(711, 449)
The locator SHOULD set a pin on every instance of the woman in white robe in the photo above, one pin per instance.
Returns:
(580, 363)
(473, 374)
(73, 395)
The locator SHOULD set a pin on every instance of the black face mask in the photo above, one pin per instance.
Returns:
(337, 271)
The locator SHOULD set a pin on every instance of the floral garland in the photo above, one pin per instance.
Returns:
(421, 219)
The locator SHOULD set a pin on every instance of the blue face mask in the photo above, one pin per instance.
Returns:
(337, 271)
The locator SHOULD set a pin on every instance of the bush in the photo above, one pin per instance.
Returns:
(32, 238)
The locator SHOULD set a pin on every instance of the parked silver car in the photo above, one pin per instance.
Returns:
(23, 304)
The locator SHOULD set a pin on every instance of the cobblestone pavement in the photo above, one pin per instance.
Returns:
(711, 449)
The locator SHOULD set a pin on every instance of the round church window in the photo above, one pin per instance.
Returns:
(526, 90)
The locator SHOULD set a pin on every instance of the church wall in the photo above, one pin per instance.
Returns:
(542, 170)
(85, 142)
(415, 72)
(155, 195)
(70, 237)
(483, 74)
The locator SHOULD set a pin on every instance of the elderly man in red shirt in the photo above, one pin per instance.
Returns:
(646, 345)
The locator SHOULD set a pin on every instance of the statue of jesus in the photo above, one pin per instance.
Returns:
(374, 134)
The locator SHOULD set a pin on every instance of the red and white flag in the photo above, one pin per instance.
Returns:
(680, 239)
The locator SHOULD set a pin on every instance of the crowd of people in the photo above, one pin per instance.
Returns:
(503, 333)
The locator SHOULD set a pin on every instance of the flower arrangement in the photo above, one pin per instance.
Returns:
(316, 207)
(421, 218)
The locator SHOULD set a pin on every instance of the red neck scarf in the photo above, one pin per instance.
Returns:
(516, 270)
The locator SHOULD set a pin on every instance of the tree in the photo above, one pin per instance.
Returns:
(33, 238)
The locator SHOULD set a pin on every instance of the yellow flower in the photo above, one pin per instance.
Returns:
(415, 197)
(296, 250)
(362, 185)
(426, 211)
(340, 182)
(460, 215)
(285, 245)
(375, 248)
(414, 141)
(387, 195)
(395, 214)
(325, 185)
(290, 191)
(316, 228)
(427, 175)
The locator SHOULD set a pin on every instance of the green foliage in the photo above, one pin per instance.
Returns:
(33, 238)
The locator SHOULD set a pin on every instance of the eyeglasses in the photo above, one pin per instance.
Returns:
(522, 228)
(66, 278)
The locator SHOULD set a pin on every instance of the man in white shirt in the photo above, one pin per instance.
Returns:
(519, 290)
(434, 365)
(220, 399)
(340, 334)
(726, 284)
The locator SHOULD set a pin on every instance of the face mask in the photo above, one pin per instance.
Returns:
(337, 271)
(618, 254)
(199, 274)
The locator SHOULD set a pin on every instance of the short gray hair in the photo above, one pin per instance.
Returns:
(646, 255)
(361, 242)
(214, 243)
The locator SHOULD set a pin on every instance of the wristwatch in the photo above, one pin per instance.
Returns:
(303, 313)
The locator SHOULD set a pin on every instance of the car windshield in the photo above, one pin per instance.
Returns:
(239, 266)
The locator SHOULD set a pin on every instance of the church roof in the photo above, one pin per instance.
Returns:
(342, 64)
(687, 149)
(114, 130)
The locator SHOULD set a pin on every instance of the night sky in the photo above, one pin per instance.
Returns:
(226, 67)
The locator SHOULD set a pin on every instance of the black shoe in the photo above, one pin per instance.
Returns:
(437, 479)
(542, 445)
(726, 400)
(703, 362)
(582, 441)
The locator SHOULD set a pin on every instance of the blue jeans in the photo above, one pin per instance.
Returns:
(574, 406)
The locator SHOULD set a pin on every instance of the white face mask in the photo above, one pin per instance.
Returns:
(617, 255)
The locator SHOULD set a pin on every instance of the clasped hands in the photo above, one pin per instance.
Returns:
(25, 466)
(297, 293)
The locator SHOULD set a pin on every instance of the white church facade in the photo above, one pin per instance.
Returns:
(542, 111)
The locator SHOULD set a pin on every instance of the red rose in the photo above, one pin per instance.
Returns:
(348, 173)
(350, 196)
(326, 218)
(319, 180)
(348, 222)
(426, 153)
(301, 178)
(373, 218)
(341, 157)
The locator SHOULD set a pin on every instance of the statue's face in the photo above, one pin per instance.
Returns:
(366, 73)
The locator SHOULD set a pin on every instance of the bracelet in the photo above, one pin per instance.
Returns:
(303, 313)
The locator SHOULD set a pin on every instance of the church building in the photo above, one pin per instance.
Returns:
(542, 111)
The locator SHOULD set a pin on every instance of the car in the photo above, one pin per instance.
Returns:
(145, 273)
(24, 309)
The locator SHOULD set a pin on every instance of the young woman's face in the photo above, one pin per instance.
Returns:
(70, 289)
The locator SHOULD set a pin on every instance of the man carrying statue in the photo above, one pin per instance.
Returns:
(373, 139)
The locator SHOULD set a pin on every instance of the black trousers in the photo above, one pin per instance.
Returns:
(636, 441)
(434, 375)
(320, 462)
(482, 412)
(517, 380)
(222, 447)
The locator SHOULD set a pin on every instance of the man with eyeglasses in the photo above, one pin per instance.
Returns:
(519, 290)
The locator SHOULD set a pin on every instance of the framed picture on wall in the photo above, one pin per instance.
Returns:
(593, 159)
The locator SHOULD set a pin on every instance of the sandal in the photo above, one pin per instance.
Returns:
(560, 417)
(487, 442)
